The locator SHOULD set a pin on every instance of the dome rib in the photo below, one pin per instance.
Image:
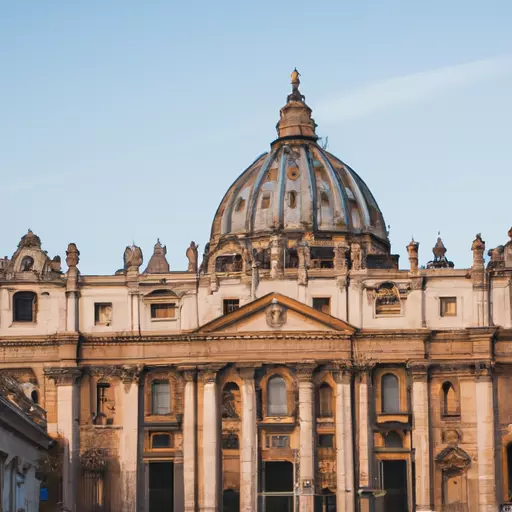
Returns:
(235, 191)
(335, 178)
(257, 187)
(282, 188)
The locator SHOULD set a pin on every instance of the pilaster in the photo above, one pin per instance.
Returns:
(485, 439)
(306, 438)
(421, 437)
(249, 448)
(189, 441)
(128, 442)
(211, 446)
(66, 380)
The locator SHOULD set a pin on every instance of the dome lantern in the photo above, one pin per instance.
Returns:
(296, 117)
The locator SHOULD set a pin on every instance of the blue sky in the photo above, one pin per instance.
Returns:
(125, 121)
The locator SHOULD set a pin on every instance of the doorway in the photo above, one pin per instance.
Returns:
(161, 485)
(394, 482)
(230, 501)
(277, 487)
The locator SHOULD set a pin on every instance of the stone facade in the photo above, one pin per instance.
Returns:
(297, 367)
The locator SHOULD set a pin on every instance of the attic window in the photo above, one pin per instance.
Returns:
(292, 199)
(322, 304)
(161, 441)
(324, 198)
(24, 307)
(387, 300)
(265, 201)
(102, 313)
(163, 311)
(230, 305)
(448, 306)
(322, 257)
(240, 204)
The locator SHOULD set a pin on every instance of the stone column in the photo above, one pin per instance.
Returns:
(211, 459)
(249, 448)
(364, 459)
(128, 442)
(189, 441)
(420, 437)
(306, 439)
(66, 380)
(485, 440)
(344, 454)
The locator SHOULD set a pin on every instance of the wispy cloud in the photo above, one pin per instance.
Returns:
(408, 89)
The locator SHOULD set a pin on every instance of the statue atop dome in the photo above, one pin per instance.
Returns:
(296, 95)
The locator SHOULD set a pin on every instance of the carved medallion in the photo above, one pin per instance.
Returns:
(276, 315)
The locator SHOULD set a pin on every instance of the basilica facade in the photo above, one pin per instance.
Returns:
(294, 367)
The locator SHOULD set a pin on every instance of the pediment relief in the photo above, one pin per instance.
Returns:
(453, 458)
(276, 312)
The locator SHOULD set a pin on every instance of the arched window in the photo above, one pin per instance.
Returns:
(390, 393)
(160, 397)
(449, 405)
(24, 307)
(393, 440)
(34, 396)
(27, 263)
(276, 397)
(325, 401)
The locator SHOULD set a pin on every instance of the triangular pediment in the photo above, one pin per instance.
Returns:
(276, 312)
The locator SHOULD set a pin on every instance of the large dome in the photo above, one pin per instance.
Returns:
(298, 187)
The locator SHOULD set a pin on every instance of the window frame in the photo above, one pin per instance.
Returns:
(159, 306)
(97, 306)
(382, 394)
(161, 449)
(329, 303)
(330, 412)
(444, 301)
(285, 406)
(17, 297)
(225, 305)
(154, 411)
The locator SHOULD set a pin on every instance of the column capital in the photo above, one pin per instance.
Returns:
(342, 376)
(483, 371)
(208, 374)
(131, 374)
(419, 371)
(246, 372)
(64, 376)
(189, 375)
(304, 371)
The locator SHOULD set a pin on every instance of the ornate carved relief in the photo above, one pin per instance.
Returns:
(276, 315)
(453, 458)
(63, 376)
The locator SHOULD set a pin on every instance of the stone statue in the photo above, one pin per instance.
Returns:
(356, 256)
(132, 257)
(275, 272)
(27, 263)
(192, 257)
(72, 255)
(296, 94)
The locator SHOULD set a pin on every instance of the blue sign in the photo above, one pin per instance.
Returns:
(43, 494)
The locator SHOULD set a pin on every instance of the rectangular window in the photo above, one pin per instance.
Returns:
(102, 313)
(163, 311)
(326, 440)
(161, 441)
(448, 306)
(278, 442)
(322, 304)
(160, 397)
(265, 201)
(230, 305)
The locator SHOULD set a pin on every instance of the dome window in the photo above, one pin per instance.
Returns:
(293, 173)
(324, 198)
(240, 204)
(265, 201)
(292, 199)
